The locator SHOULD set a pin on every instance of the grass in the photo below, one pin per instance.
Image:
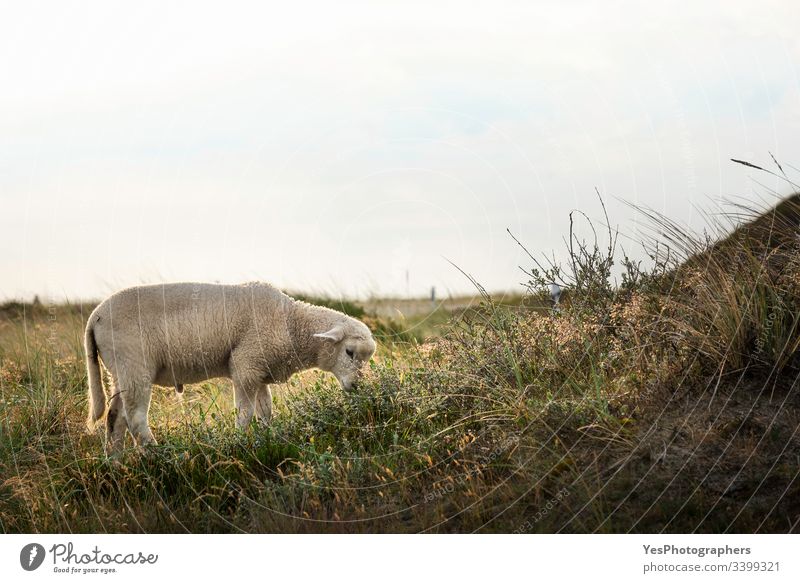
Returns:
(663, 400)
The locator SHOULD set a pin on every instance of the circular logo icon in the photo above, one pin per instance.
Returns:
(31, 556)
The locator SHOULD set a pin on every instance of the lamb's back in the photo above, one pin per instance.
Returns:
(179, 322)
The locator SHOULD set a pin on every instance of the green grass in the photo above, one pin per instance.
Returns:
(665, 402)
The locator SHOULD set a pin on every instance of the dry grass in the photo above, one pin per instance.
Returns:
(667, 402)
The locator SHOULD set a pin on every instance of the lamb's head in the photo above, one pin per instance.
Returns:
(346, 348)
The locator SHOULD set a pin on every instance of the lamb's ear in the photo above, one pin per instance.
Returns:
(336, 334)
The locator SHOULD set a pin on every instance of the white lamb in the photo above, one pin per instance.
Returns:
(180, 333)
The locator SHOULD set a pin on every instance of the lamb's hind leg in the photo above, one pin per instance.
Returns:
(116, 424)
(135, 392)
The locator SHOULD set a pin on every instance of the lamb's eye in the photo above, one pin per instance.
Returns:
(349, 353)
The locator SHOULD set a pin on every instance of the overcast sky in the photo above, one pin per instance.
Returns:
(335, 146)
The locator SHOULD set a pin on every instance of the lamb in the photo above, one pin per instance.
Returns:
(174, 334)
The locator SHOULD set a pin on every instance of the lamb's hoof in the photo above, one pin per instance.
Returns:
(114, 455)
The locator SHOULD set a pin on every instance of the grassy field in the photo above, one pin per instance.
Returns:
(658, 400)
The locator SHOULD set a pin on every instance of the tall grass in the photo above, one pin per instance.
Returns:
(513, 419)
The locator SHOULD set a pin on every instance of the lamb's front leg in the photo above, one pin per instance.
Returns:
(264, 405)
(244, 396)
(248, 381)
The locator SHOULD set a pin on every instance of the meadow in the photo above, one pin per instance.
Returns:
(653, 399)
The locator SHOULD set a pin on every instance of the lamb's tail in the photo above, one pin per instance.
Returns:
(97, 395)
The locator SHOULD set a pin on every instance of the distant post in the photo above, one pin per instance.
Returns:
(555, 295)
